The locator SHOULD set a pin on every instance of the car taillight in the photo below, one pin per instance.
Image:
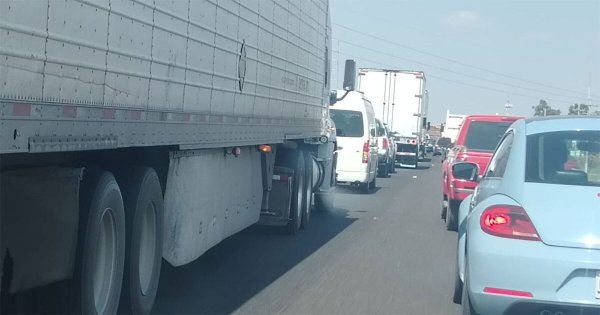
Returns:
(508, 221)
(365, 155)
(386, 144)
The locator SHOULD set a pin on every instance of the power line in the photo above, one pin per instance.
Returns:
(454, 61)
(453, 71)
(464, 83)
(410, 27)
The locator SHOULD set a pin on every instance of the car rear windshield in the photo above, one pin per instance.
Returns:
(444, 142)
(565, 158)
(348, 123)
(485, 135)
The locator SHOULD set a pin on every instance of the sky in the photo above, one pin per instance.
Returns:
(477, 55)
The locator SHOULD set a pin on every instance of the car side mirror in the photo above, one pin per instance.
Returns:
(466, 171)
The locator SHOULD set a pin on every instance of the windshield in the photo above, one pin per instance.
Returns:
(348, 123)
(444, 142)
(484, 135)
(566, 158)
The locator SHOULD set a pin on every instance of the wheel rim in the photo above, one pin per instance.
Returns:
(105, 264)
(147, 248)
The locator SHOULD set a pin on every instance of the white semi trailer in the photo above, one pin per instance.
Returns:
(400, 100)
(137, 130)
(452, 125)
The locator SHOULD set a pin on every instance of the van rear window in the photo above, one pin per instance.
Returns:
(348, 123)
(485, 135)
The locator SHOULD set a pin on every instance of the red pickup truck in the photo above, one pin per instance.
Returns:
(476, 141)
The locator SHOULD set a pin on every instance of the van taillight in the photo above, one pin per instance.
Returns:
(508, 221)
(365, 156)
(386, 144)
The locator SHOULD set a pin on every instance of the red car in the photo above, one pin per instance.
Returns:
(476, 141)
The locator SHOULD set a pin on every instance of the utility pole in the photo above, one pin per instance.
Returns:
(590, 88)
(508, 106)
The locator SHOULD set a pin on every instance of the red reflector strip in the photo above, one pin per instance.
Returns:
(136, 115)
(69, 111)
(108, 114)
(508, 292)
(284, 178)
(21, 110)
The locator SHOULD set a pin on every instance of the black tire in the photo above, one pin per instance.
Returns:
(101, 239)
(308, 183)
(382, 170)
(365, 188)
(144, 213)
(458, 287)
(452, 214)
(444, 208)
(298, 200)
(392, 167)
(324, 202)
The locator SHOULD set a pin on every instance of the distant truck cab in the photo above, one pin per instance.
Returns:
(475, 143)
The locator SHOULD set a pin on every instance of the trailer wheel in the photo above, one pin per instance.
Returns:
(298, 199)
(144, 213)
(101, 246)
(308, 185)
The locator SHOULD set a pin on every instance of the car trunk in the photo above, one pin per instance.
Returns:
(564, 215)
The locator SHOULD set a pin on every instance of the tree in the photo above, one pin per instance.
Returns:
(543, 109)
(579, 109)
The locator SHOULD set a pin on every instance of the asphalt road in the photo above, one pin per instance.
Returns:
(383, 253)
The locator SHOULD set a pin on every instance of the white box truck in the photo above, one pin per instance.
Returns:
(400, 100)
(452, 125)
(137, 130)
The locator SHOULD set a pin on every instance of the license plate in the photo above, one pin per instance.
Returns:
(597, 293)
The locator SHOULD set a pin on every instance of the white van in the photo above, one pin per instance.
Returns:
(355, 125)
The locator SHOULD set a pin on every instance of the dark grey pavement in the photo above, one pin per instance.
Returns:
(383, 253)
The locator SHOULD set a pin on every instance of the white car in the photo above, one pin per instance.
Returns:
(386, 150)
(529, 235)
(356, 135)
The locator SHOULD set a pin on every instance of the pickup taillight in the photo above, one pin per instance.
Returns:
(365, 153)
